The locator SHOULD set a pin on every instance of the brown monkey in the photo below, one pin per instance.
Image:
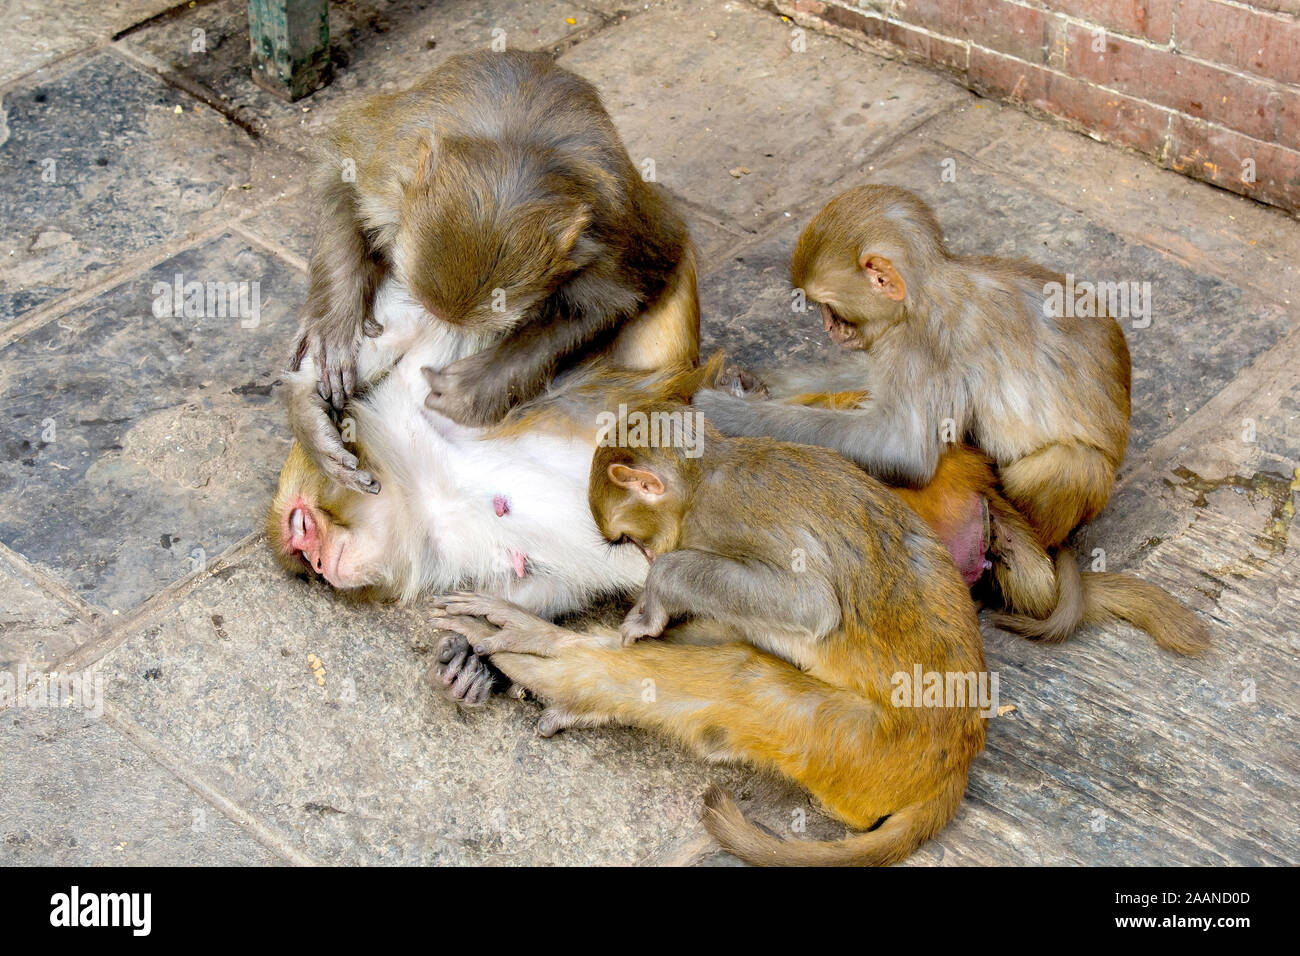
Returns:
(1047, 600)
(956, 345)
(498, 194)
(822, 587)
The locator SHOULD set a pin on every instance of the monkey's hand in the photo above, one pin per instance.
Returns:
(647, 619)
(741, 383)
(459, 674)
(310, 421)
(334, 351)
(471, 391)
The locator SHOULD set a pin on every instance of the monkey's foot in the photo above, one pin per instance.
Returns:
(646, 619)
(741, 383)
(461, 675)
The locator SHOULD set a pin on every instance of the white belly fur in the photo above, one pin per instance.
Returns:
(449, 477)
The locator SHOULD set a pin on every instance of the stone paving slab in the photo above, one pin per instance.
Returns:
(367, 767)
(36, 628)
(724, 90)
(37, 31)
(375, 45)
(138, 448)
(74, 793)
(125, 178)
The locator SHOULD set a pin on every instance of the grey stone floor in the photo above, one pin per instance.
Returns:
(138, 453)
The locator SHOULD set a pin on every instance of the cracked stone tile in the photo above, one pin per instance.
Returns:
(1205, 228)
(376, 46)
(139, 447)
(363, 764)
(126, 177)
(73, 792)
(703, 107)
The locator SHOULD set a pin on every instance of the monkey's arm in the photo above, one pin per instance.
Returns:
(478, 390)
(345, 271)
(689, 581)
(893, 441)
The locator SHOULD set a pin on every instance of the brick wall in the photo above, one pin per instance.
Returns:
(1210, 88)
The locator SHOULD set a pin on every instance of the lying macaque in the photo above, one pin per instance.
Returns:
(497, 192)
(813, 587)
(500, 509)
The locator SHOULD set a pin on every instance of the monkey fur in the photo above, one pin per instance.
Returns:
(497, 193)
(809, 583)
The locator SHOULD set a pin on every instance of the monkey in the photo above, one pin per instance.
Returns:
(788, 585)
(500, 509)
(497, 192)
(929, 336)
(937, 339)
(1038, 596)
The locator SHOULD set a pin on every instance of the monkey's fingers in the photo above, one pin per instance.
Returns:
(496, 610)
(473, 628)
(341, 466)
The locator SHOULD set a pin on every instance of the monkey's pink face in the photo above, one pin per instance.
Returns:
(323, 546)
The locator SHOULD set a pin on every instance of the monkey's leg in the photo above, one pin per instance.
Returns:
(668, 332)
(728, 703)
(1058, 488)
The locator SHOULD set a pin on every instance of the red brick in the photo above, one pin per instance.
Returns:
(1277, 6)
(1250, 106)
(1150, 19)
(995, 24)
(1288, 119)
(938, 50)
(1112, 116)
(1215, 155)
(1260, 43)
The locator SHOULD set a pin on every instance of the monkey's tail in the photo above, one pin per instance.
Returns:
(891, 842)
(1098, 597)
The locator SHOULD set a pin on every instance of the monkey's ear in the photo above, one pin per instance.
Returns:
(884, 278)
(645, 483)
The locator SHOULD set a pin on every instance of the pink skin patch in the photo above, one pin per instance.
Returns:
(966, 543)
(520, 562)
(501, 504)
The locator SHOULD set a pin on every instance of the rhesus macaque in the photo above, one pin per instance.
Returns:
(501, 509)
(813, 585)
(955, 345)
(938, 349)
(498, 194)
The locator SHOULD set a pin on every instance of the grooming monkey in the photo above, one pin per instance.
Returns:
(809, 584)
(934, 340)
(498, 194)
